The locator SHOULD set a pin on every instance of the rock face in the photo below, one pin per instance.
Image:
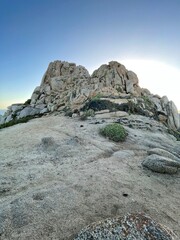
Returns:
(132, 226)
(65, 85)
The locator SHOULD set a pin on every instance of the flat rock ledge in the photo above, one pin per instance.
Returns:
(161, 164)
(130, 227)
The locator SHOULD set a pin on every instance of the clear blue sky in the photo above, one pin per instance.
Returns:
(87, 32)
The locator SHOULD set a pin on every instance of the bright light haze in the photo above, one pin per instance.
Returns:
(143, 35)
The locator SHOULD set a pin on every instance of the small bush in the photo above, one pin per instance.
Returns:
(86, 114)
(114, 131)
(68, 113)
(98, 105)
(83, 117)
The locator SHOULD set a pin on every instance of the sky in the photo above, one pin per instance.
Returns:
(142, 34)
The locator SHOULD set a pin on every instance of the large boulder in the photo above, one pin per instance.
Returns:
(115, 76)
(173, 115)
(131, 226)
(161, 164)
(163, 153)
(62, 84)
(28, 111)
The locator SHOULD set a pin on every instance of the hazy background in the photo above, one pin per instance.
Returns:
(142, 34)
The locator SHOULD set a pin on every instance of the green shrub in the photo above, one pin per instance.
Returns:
(98, 105)
(86, 114)
(114, 131)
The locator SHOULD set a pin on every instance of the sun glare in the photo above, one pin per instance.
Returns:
(158, 77)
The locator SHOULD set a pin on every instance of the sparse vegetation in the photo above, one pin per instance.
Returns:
(115, 132)
(16, 121)
(147, 101)
(27, 102)
(97, 97)
(86, 114)
(176, 133)
(98, 105)
(68, 112)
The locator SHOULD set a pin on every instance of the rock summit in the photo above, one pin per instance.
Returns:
(68, 86)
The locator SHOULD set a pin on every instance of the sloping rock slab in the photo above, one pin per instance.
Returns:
(132, 226)
(163, 153)
(160, 164)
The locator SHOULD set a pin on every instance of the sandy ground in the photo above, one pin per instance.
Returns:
(51, 192)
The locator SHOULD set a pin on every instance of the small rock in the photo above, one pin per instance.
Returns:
(124, 154)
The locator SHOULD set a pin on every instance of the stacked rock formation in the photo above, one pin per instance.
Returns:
(65, 85)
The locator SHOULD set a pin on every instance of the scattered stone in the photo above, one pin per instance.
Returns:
(160, 164)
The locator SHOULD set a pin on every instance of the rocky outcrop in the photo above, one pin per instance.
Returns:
(18, 111)
(65, 85)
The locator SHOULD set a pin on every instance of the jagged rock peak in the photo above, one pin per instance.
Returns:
(66, 85)
(65, 69)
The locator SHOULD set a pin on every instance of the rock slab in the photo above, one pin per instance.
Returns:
(160, 164)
